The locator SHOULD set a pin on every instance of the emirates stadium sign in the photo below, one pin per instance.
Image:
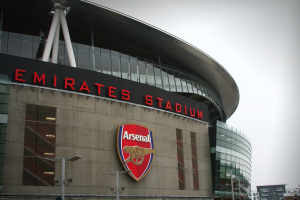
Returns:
(136, 149)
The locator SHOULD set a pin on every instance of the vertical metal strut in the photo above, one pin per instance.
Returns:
(53, 37)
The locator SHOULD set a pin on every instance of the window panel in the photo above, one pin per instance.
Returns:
(3, 44)
(105, 61)
(83, 59)
(158, 80)
(171, 81)
(165, 79)
(142, 71)
(116, 68)
(151, 80)
(13, 47)
(26, 49)
(178, 82)
(133, 69)
(125, 66)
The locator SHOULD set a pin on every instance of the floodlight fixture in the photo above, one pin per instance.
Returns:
(74, 158)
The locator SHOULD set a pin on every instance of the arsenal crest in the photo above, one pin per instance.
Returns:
(136, 149)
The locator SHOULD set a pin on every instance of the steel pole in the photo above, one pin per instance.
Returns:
(117, 174)
(51, 36)
(63, 167)
(56, 44)
(231, 185)
(66, 33)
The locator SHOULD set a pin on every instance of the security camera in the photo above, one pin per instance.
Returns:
(70, 180)
(55, 181)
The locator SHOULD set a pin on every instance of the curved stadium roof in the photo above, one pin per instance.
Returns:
(187, 55)
(137, 37)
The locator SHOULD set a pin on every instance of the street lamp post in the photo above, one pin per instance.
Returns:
(117, 192)
(63, 169)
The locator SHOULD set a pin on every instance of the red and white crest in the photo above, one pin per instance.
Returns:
(136, 149)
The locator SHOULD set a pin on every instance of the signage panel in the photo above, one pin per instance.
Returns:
(45, 74)
(136, 150)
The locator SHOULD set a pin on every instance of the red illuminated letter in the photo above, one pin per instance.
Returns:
(159, 101)
(99, 87)
(84, 87)
(148, 100)
(185, 112)
(71, 84)
(125, 95)
(54, 81)
(178, 107)
(199, 114)
(18, 76)
(168, 106)
(111, 91)
(192, 112)
(39, 79)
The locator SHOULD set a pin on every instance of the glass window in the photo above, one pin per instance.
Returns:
(189, 84)
(95, 60)
(157, 74)
(106, 62)
(165, 79)
(228, 157)
(177, 81)
(151, 80)
(171, 81)
(13, 47)
(116, 68)
(193, 84)
(133, 69)
(83, 59)
(223, 156)
(142, 71)
(26, 49)
(183, 83)
(125, 66)
(3, 44)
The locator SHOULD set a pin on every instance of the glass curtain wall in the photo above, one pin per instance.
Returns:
(230, 150)
(4, 101)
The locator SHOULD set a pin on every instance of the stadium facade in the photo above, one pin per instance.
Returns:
(77, 78)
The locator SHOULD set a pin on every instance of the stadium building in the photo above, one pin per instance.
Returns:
(86, 90)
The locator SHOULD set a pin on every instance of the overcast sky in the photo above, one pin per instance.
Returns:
(258, 43)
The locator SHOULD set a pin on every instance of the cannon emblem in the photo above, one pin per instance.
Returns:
(137, 154)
